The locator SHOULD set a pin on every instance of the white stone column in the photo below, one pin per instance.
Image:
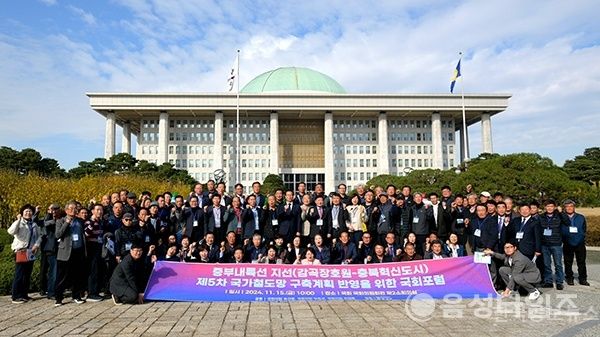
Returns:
(383, 157)
(126, 140)
(109, 135)
(137, 143)
(163, 138)
(329, 172)
(274, 142)
(486, 132)
(218, 150)
(436, 140)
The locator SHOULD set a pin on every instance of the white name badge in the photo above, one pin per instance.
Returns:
(128, 246)
(416, 219)
(319, 222)
(336, 224)
(460, 221)
(480, 257)
(275, 222)
(477, 233)
(75, 237)
(572, 229)
(520, 235)
(195, 223)
(147, 239)
(547, 232)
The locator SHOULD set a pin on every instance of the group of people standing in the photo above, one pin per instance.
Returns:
(109, 247)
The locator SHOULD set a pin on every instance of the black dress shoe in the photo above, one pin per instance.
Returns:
(570, 282)
(584, 283)
(547, 285)
(559, 286)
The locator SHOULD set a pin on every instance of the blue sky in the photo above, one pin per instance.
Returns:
(545, 53)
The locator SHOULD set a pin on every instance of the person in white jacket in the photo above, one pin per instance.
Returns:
(26, 242)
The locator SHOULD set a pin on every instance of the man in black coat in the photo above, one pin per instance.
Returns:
(127, 283)
(288, 216)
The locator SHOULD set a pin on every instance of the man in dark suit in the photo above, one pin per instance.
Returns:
(70, 256)
(215, 220)
(128, 281)
(528, 233)
(288, 216)
(366, 248)
(261, 199)
(517, 270)
(199, 193)
(439, 217)
(301, 191)
(316, 216)
(193, 216)
(336, 217)
(344, 251)
(252, 218)
(392, 249)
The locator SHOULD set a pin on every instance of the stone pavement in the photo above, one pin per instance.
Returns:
(572, 312)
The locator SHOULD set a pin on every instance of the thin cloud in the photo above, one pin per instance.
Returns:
(87, 17)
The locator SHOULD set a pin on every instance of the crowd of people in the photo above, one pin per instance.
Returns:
(108, 248)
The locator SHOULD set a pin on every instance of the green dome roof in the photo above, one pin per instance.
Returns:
(293, 79)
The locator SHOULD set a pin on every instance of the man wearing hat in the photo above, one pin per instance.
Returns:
(127, 283)
(574, 243)
(131, 204)
(484, 197)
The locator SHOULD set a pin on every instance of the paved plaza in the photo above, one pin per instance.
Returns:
(572, 312)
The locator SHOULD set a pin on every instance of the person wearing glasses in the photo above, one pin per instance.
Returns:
(126, 236)
(518, 270)
(128, 280)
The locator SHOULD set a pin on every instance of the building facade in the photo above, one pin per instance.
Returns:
(300, 124)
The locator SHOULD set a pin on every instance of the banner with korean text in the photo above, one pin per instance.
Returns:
(175, 281)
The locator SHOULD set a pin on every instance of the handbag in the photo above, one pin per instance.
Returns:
(22, 256)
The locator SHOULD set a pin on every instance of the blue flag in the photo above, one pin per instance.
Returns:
(455, 76)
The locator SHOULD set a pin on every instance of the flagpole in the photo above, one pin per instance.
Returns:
(237, 136)
(464, 115)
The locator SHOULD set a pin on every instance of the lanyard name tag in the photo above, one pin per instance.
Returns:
(460, 221)
(335, 224)
(520, 235)
(572, 229)
(547, 232)
(319, 222)
(477, 233)
(147, 238)
(416, 219)
(75, 237)
(275, 222)
(128, 246)
(195, 223)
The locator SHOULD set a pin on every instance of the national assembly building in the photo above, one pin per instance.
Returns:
(300, 124)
